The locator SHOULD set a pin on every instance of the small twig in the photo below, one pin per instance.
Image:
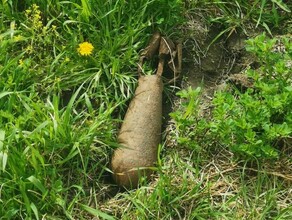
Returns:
(287, 177)
(171, 56)
(140, 69)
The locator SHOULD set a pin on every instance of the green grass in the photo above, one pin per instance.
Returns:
(60, 113)
(59, 110)
(194, 185)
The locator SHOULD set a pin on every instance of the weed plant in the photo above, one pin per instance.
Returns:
(254, 122)
(240, 141)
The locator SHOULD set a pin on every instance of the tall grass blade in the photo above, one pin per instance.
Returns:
(35, 211)
(282, 5)
(69, 107)
(37, 183)
(3, 94)
(86, 10)
(96, 212)
(3, 160)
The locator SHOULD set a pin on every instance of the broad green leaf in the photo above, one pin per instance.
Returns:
(288, 88)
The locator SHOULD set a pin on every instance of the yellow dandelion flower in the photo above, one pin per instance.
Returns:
(85, 49)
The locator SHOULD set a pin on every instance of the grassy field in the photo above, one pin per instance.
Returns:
(67, 72)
